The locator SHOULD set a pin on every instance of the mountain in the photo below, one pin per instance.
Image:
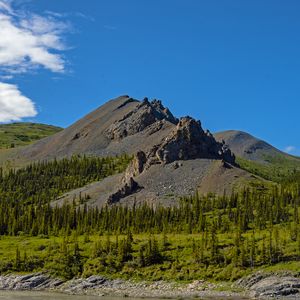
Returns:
(20, 134)
(247, 146)
(257, 156)
(172, 157)
(125, 125)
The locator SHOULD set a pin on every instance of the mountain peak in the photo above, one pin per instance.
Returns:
(127, 125)
(144, 115)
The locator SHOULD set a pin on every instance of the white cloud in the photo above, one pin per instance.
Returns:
(29, 41)
(14, 106)
(289, 149)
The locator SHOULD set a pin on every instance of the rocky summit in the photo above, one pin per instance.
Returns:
(126, 125)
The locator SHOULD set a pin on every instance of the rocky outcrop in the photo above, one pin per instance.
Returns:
(189, 141)
(146, 114)
(126, 189)
(136, 167)
(36, 281)
(80, 285)
(270, 285)
(128, 185)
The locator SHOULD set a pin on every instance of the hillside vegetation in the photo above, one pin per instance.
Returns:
(275, 168)
(217, 237)
(209, 236)
(21, 134)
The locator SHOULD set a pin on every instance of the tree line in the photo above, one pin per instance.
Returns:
(259, 225)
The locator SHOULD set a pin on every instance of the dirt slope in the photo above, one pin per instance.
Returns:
(165, 184)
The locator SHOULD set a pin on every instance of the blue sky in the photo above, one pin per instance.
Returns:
(231, 64)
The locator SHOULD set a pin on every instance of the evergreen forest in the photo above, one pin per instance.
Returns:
(216, 237)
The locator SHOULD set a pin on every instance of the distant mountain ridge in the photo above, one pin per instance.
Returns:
(247, 146)
(257, 156)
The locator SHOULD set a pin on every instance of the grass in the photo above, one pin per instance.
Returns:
(21, 134)
(275, 168)
(178, 265)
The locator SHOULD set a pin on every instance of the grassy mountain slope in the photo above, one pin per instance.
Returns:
(21, 134)
(259, 157)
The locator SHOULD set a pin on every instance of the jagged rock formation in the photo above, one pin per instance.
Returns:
(144, 115)
(187, 141)
(128, 185)
(136, 167)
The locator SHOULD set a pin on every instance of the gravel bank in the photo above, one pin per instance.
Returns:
(100, 286)
(258, 285)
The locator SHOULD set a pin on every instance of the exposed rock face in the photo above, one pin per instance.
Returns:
(126, 189)
(186, 141)
(189, 141)
(270, 285)
(136, 166)
(128, 184)
(28, 282)
(146, 114)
